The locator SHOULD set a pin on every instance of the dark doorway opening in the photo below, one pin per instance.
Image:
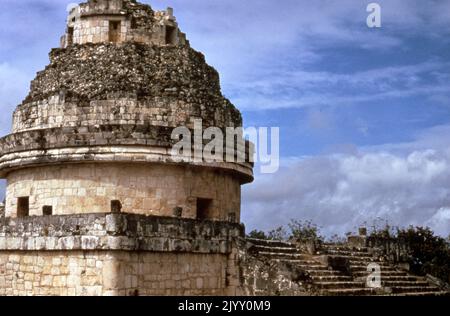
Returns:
(133, 23)
(70, 36)
(114, 31)
(116, 206)
(204, 209)
(23, 206)
(170, 35)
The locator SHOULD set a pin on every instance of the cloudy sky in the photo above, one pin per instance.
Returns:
(364, 114)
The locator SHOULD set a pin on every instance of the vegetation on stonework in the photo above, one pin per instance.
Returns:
(429, 254)
(304, 230)
(295, 230)
(257, 234)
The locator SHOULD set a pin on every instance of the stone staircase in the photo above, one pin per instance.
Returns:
(326, 280)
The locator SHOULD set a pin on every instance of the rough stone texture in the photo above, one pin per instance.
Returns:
(94, 273)
(95, 132)
(126, 232)
(106, 83)
(154, 190)
(394, 250)
(357, 241)
(118, 102)
(90, 23)
(280, 268)
(341, 264)
(262, 277)
(117, 254)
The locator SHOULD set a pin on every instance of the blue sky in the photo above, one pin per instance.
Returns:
(364, 114)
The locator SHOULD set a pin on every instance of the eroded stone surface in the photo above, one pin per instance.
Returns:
(90, 156)
(139, 83)
(117, 254)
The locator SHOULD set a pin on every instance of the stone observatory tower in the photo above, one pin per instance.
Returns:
(95, 201)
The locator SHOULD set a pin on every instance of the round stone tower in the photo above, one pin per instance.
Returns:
(94, 135)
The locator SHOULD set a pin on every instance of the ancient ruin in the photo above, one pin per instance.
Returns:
(97, 205)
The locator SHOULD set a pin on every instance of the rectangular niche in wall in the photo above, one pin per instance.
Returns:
(70, 36)
(47, 210)
(114, 31)
(23, 206)
(204, 209)
(170, 35)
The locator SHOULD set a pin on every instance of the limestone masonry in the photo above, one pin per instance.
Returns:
(95, 203)
(96, 125)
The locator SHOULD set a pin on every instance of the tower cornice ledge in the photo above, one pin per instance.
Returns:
(118, 144)
(126, 232)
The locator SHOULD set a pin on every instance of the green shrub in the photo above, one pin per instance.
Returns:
(430, 254)
(278, 233)
(257, 234)
(303, 230)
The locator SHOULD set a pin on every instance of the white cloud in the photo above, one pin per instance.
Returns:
(294, 89)
(341, 191)
(259, 46)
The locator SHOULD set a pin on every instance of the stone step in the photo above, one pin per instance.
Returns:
(349, 253)
(314, 273)
(384, 273)
(330, 278)
(270, 243)
(357, 267)
(261, 248)
(436, 293)
(350, 292)
(404, 283)
(278, 255)
(339, 285)
(356, 260)
(345, 248)
(414, 289)
(303, 262)
(316, 267)
(388, 278)
(361, 260)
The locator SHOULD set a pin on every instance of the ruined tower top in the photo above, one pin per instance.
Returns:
(118, 21)
(95, 133)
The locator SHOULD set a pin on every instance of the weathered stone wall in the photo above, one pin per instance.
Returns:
(67, 137)
(166, 78)
(151, 189)
(262, 277)
(393, 249)
(57, 112)
(95, 129)
(129, 232)
(118, 103)
(90, 23)
(117, 254)
(95, 273)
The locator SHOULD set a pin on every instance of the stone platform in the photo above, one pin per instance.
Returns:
(117, 254)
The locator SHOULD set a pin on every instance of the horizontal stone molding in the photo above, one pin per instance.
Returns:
(103, 144)
(125, 232)
(109, 154)
(58, 137)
